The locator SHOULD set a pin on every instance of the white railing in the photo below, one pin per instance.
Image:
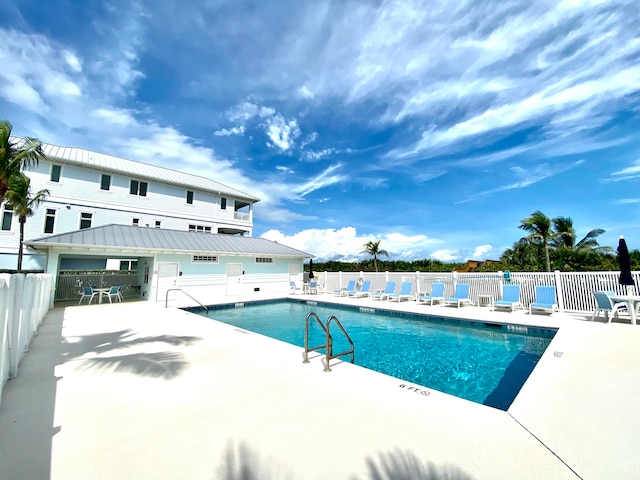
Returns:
(24, 301)
(574, 290)
(245, 217)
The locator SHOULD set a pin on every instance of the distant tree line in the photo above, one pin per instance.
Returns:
(550, 244)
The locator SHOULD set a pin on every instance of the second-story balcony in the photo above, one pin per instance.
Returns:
(242, 216)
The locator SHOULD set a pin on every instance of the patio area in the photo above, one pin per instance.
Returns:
(134, 390)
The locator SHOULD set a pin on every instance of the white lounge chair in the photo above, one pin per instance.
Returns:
(365, 291)
(293, 288)
(405, 292)
(545, 299)
(437, 294)
(382, 294)
(460, 296)
(510, 298)
(343, 292)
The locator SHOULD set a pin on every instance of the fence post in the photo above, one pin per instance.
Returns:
(558, 281)
(4, 334)
(15, 330)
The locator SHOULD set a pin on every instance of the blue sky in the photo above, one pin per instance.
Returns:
(434, 127)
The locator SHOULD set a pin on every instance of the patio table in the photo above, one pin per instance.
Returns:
(101, 293)
(632, 302)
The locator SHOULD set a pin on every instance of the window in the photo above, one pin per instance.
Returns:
(85, 220)
(135, 222)
(199, 229)
(223, 203)
(50, 220)
(158, 223)
(105, 182)
(189, 197)
(264, 260)
(128, 265)
(55, 173)
(205, 259)
(138, 188)
(7, 216)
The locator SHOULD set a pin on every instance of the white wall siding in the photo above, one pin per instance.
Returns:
(79, 191)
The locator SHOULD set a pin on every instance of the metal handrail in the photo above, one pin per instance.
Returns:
(329, 350)
(166, 300)
(306, 336)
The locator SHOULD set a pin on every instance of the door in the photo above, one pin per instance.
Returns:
(167, 279)
(234, 278)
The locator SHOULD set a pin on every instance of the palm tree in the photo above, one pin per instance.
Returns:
(18, 196)
(539, 227)
(373, 248)
(525, 256)
(565, 236)
(16, 155)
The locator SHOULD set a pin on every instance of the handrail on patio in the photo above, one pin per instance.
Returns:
(166, 300)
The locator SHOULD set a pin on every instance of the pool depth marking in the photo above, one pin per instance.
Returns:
(421, 391)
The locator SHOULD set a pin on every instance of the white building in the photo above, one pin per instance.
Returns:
(90, 189)
(170, 229)
(203, 266)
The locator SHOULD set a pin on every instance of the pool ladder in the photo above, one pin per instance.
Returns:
(328, 345)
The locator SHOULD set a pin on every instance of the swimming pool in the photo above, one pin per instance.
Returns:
(484, 363)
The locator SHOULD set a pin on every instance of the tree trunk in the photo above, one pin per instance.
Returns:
(546, 256)
(20, 247)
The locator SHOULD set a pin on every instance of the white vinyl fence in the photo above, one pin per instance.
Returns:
(574, 290)
(24, 301)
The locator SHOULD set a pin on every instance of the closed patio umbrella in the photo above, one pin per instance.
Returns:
(626, 278)
(310, 268)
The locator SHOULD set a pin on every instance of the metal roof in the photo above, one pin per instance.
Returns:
(127, 237)
(109, 163)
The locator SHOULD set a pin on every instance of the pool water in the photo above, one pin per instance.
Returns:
(484, 364)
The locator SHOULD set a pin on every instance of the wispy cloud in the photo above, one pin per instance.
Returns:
(327, 177)
(631, 171)
(524, 178)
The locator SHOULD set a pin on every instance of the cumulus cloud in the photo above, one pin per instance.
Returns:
(481, 251)
(248, 110)
(282, 132)
(345, 244)
(226, 132)
(445, 255)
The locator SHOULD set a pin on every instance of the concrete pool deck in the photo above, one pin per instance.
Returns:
(137, 391)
